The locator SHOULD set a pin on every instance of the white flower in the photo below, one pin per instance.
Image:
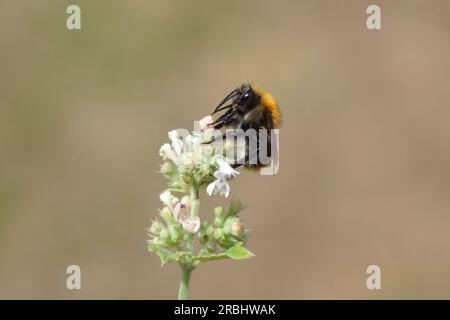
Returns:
(186, 200)
(167, 153)
(181, 210)
(176, 143)
(225, 169)
(191, 224)
(205, 122)
(168, 199)
(219, 185)
(222, 174)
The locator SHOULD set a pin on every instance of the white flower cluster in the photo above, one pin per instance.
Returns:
(190, 162)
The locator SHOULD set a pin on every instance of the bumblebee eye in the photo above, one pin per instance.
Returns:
(245, 97)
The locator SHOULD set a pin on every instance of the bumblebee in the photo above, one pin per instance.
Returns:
(250, 107)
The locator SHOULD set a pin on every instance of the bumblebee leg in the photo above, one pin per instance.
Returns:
(224, 119)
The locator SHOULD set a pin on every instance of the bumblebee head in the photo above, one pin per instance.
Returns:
(244, 98)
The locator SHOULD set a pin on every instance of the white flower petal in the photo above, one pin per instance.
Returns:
(173, 135)
(180, 212)
(165, 196)
(168, 199)
(176, 143)
(167, 153)
(220, 185)
(191, 224)
(226, 190)
(226, 169)
(165, 148)
(210, 188)
(205, 122)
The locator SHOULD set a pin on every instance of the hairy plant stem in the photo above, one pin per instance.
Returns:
(184, 285)
(186, 269)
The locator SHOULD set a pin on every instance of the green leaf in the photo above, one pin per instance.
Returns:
(238, 252)
(209, 257)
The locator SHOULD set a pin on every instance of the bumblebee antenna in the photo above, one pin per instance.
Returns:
(228, 97)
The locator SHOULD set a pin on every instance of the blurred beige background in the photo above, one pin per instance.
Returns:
(365, 159)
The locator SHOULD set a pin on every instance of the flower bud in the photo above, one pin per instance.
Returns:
(234, 227)
(191, 224)
(168, 199)
(166, 214)
(164, 234)
(175, 234)
(220, 215)
(155, 228)
(219, 235)
(210, 231)
(167, 168)
(237, 229)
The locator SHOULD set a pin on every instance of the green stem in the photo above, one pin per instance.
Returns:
(184, 285)
(186, 269)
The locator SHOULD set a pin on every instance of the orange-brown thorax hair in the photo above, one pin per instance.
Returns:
(269, 103)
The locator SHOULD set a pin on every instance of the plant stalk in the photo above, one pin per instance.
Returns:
(184, 285)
